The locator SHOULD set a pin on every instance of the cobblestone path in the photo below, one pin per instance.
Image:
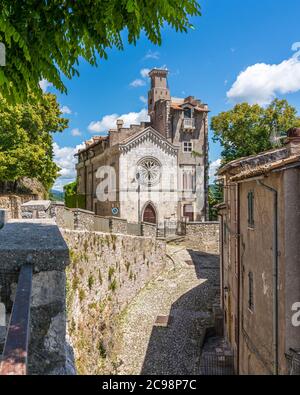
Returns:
(182, 298)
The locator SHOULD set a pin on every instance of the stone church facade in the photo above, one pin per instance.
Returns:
(158, 170)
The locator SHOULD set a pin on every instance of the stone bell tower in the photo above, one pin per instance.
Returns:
(159, 89)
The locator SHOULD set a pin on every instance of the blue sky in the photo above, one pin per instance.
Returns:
(230, 37)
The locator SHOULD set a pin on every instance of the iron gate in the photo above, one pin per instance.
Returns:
(213, 364)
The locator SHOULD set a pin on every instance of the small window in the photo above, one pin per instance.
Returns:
(251, 209)
(187, 113)
(187, 146)
(251, 289)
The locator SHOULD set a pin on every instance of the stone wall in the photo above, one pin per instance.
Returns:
(105, 274)
(13, 203)
(83, 219)
(39, 243)
(36, 209)
(118, 225)
(79, 219)
(63, 216)
(203, 236)
(149, 230)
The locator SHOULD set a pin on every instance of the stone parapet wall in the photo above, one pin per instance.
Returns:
(83, 219)
(39, 243)
(105, 274)
(118, 225)
(149, 230)
(203, 236)
(64, 217)
(36, 209)
(12, 203)
(78, 219)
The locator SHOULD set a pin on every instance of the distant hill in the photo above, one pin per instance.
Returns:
(57, 195)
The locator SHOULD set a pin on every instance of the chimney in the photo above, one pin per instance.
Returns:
(120, 124)
(189, 99)
(293, 141)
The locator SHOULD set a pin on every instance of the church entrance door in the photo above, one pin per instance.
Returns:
(149, 214)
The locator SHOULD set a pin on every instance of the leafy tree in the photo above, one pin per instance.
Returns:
(46, 38)
(71, 189)
(26, 139)
(72, 198)
(249, 129)
(215, 196)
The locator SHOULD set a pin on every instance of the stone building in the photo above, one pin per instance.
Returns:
(260, 270)
(158, 169)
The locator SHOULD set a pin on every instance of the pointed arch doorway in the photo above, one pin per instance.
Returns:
(149, 214)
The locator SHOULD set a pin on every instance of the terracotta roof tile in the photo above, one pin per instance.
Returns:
(264, 168)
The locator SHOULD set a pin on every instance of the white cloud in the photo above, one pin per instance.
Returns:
(64, 158)
(145, 73)
(109, 121)
(75, 132)
(44, 85)
(261, 82)
(213, 168)
(143, 99)
(66, 110)
(137, 83)
(152, 55)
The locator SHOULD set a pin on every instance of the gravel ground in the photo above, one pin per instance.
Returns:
(185, 293)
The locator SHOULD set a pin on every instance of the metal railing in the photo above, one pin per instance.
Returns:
(212, 364)
(15, 353)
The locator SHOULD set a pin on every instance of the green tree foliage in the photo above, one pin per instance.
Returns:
(72, 198)
(45, 39)
(26, 139)
(215, 196)
(71, 189)
(249, 129)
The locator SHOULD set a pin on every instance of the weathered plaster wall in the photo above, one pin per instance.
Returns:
(256, 256)
(203, 236)
(105, 273)
(257, 245)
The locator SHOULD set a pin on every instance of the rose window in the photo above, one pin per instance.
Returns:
(149, 171)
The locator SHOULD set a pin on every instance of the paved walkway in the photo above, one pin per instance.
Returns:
(182, 297)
